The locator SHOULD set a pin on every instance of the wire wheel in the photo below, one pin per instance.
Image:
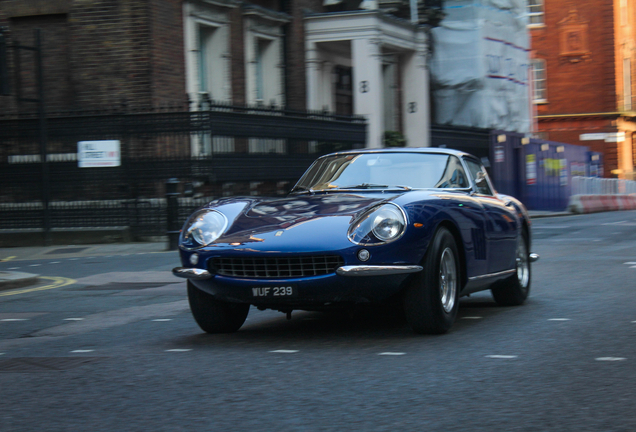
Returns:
(448, 280)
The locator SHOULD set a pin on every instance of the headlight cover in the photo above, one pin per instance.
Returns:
(202, 228)
(382, 224)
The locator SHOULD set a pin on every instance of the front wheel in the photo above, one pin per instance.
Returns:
(514, 290)
(432, 300)
(215, 316)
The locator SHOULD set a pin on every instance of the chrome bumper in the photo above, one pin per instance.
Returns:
(377, 270)
(191, 273)
(534, 257)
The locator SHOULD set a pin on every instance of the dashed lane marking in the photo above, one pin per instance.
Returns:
(472, 317)
(179, 350)
(58, 282)
(73, 319)
(284, 351)
(501, 356)
(630, 263)
(392, 353)
(162, 319)
(13, 319)
(14, 268)
(559, 319)
(7, 259)
(610, 358)
(35, 265)
(82, 351)
(55, 262)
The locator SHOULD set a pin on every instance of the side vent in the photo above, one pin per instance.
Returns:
(479, 243)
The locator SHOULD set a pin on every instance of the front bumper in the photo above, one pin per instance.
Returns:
(347, 285)
(350, 270)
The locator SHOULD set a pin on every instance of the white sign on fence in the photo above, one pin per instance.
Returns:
(98, 154)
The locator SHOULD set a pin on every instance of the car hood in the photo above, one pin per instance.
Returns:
(308, 219)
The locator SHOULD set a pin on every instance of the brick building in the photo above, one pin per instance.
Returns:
(583, 55)
(140, 54)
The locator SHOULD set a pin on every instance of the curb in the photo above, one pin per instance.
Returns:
(11, 280)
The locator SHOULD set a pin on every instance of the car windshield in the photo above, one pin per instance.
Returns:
(384, 170)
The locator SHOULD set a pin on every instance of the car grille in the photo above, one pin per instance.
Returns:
(276, 267)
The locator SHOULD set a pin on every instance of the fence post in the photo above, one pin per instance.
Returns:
(172, 208)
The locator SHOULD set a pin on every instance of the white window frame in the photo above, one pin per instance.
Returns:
(539, 85)
(536, 10)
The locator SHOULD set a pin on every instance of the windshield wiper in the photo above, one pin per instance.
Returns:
(376, 186)
(364, 186)
(301, 189)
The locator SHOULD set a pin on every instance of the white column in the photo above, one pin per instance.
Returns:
(415, 102)
(367, 87)
(312, 64)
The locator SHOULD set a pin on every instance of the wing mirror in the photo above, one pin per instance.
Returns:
(480, 179)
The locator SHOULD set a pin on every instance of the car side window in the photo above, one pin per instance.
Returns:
(475, 171)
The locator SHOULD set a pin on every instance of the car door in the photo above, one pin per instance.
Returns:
(501, 230)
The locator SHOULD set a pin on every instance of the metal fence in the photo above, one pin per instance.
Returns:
(602, 186)
(219, 150)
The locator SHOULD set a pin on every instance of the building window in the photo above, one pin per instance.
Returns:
(535, 12)
(627, 84)
(539, 82)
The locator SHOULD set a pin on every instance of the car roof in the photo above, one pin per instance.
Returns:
(435, 150)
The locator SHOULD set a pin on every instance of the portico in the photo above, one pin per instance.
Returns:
(370, 64)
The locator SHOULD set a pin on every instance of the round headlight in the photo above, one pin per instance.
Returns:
(202, 228)
(379, 225)
(388, 224)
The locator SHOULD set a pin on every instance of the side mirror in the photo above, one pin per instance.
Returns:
(480, 179)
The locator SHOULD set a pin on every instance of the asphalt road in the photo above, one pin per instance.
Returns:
(107, 343)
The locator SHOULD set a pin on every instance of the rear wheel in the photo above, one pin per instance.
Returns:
(432, 299)
(514, 290)
(214, 316)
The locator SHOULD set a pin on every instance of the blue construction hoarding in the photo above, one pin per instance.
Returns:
(539, 172)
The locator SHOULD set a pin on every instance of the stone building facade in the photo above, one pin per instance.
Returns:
(583, 56)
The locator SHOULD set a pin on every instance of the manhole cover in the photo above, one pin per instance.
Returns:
(43, 364)
(115, 286)
(66, 251)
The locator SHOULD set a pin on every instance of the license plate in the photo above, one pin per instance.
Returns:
(279, 291)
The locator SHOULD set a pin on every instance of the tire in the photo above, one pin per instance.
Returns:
(514, 290)
(214, 316)
(432, 299)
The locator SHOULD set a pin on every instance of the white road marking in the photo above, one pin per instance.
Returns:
(54, 262)
(35, 265)
(610, 358)
(162, 319)
(502, 356)
(633, 322)
(73, 319)
(392, 353)
(284, 351)
(472, 317)
(559, 319)
(13, 319)
(179, 350)
(552, 227)
(73, 259)
(630, 263)
(614, 223)
(634, 266)
(82, 351)
(14, 268)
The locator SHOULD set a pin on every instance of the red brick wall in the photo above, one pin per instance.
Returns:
(578, 87)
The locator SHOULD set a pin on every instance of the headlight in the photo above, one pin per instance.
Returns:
(202, 228)
(381, 224)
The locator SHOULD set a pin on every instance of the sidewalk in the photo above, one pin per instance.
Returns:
(13, 279)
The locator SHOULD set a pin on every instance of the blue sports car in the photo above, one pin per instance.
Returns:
(420, 226)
